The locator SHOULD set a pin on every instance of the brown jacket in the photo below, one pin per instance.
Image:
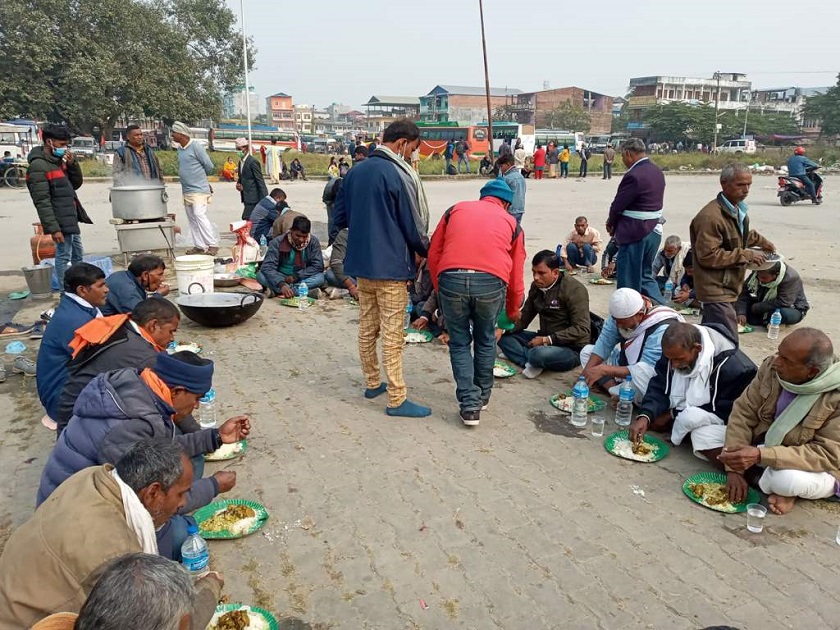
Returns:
(811, 446)
(51, 562)
(563, 311)
(283, 223)
(720, 252)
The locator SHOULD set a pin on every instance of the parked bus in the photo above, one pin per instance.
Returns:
(511, 131)
(223, 137)
(18, 140)
(573, 139)
(435, 136)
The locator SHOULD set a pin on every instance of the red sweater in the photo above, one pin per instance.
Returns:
(479, 235)
(539, 157)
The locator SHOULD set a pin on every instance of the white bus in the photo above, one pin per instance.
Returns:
(18, 140)
(572, 139)
(511, 131)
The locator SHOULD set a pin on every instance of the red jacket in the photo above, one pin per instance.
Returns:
(539, 157)
(481, 235)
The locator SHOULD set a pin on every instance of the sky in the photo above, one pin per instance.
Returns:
(327, 51)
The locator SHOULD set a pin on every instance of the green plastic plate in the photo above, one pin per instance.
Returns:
(743, 330)
(221, 609)
(212, 457)
(425, 334)
(715, 477)
(209, 511)
(601, 281)
(660, 448)
(595, 404)
(293, 302)
(503, 370)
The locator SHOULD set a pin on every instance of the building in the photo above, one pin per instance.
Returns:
(733, 89)
(381, 111)
(462, 104)
(234, 104)
(304, 115)
(788, 100)
(530, 107)
(280, 111)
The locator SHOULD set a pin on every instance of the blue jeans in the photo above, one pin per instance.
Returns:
(809, 186)
(471, 299)
(564, 169)
(332, 280)
(584, 168)
(171, 537)
(634, 266)
(67, 253)
(554, 358)
(463, 159)
(607, 170)
(312, 282)
(587, 259)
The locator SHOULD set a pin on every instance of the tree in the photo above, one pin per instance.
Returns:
(501, 113)
(826, 109)
(88, 63)
(566, 116)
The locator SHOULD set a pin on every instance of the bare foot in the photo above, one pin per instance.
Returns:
(780, 505)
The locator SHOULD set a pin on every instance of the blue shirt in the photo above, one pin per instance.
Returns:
(740, 214)
(610, 338)
(194, 165)
(514, 179)
(124, 293)
(797, 165)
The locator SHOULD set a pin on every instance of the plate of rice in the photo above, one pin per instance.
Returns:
(227, 451)
(503, 370)
(230, 518)
(651, 449)
(413, 335)
(709, 490)
(242, 617)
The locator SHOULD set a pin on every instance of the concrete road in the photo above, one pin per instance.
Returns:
(522, 523)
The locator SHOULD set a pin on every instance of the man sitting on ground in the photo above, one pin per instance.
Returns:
(293, 258)
(265, 213)
(297, 170)
(685, 294)
(630, 343)
(425, 311)
(85, 291)
(562, 304)
(774, 285)
(51, 562)
(283, 222)
(787, 423)
(670, 261)
(700, 375)
(126, 289)
(118, 409)
(609, 260)
(111, 343)
(582, 246)
(335, 275)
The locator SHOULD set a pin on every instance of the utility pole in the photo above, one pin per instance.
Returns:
(746, 115)
(717, 104)
(245, 65)
(486, 81)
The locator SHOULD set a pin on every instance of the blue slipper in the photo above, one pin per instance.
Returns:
(409, 409)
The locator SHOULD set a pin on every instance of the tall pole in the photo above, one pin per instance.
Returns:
(486, 80)
(746, 115)
(717, 104)
(245, 64)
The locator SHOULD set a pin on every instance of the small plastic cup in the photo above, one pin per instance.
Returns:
(755, 517)
(597, 426)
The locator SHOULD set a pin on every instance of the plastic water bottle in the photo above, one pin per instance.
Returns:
(207, 410)
(626, 395)
(303, 295)
(407, 318)
(669, 291)
(263, 246)
(580, 406)
(194, 554)
(775, 322)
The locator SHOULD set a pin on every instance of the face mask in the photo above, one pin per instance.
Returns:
(59, 152)
(241, 154)
(626, 332)
(176, 145)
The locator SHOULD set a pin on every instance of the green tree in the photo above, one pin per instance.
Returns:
(826, 109)
(88, 63)
(566, 116)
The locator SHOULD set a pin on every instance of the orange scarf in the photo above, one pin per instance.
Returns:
(157, 385)
(95, 332)
(145, 334)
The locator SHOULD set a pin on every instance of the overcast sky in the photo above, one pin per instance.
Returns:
(324, 51)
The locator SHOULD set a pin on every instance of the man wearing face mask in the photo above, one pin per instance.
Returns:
(383, 202)
(630, 343)
(53, 177)
(700, 375)
(250, 182)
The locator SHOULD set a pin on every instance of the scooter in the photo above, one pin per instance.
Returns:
(791, 189)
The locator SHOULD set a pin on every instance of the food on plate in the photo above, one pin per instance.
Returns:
(642, 448)
(184, 346)
(713, 495)
(416, 337)
(744, 329)
(225, 451)
(628, 450)
(241, 619)
(234, 518)
(501, 370)
(600, 281)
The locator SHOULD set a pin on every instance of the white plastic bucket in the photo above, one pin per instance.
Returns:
(193, 271)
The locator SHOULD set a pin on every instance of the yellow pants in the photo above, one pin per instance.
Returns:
(552, 170)
(382, 306)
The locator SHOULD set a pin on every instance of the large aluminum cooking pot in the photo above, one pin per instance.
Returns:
(140, 202)
(217, 310)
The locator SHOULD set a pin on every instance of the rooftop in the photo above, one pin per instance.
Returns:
(393, 100)
(466, 90)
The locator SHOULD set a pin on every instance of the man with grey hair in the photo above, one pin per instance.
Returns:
(724, 247)
(670, 260)
(635, 220)
(194, 165)
(784, 431)
(52, 561)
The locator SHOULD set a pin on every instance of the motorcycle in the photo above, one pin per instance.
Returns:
(791, 189)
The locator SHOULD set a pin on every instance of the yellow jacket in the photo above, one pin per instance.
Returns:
(565, 155)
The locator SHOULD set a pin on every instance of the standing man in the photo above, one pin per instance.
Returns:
(463, 149)
(448, 153)
(634, 220)
(722, 246)
(53, 177)
(194, 165)
(250, 182)
(476, 256)
(609, 159)
(513, 178)
(135, 161)
(383, 203)
(584, 161)
(273, 162)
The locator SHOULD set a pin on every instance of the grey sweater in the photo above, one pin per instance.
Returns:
(194, 165)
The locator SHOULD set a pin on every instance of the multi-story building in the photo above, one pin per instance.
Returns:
(381, 111)
(531, 108)
(280, 111)
(462, 104)
(788, 100)
(731, 90)
(303, 118)
(234, 104)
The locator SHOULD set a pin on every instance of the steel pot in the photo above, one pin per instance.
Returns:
(217, 310)
(139, 203)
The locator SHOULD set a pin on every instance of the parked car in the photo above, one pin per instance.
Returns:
(83, 146)
(740, 145)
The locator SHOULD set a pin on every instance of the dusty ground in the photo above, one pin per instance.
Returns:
(522, 523)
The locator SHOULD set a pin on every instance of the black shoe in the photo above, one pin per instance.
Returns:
(470, 418)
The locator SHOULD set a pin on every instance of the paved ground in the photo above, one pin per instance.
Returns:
(522, 523)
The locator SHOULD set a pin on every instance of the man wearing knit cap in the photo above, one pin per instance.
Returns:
(194, 165)
(476, 261)
(118, 409)
(250, 182)
(630, 343)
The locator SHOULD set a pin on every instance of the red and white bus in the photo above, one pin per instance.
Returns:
(435, 137)
(223, 138)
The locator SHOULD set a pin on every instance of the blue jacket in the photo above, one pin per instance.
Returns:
(55, 350)
(797, 165)
(514, 179)
(379, 205)
(124, 293)
(280, 252)
(263, 216)
(115, 411)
